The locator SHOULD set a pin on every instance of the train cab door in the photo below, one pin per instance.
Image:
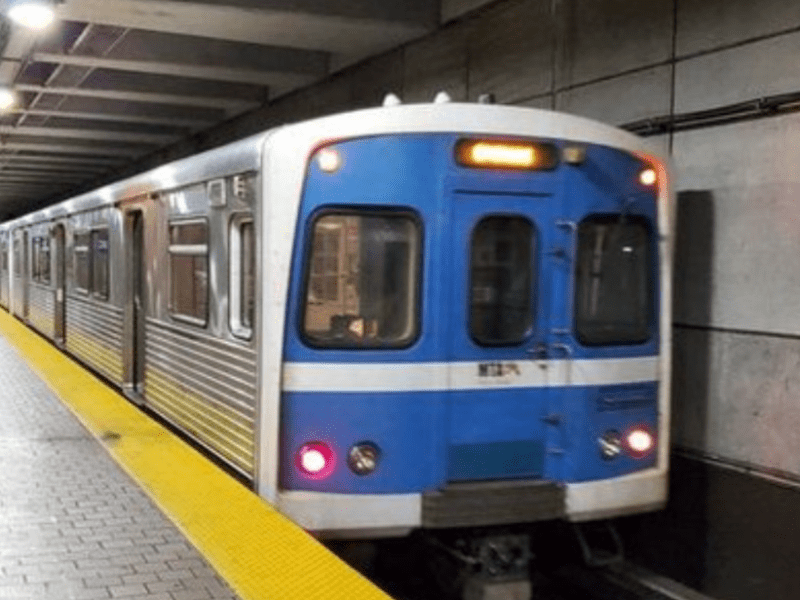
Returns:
(135, 309)
(503, 308)
(60, 280)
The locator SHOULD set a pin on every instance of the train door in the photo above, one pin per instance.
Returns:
(504, 367)
(60, 280)
(135, 309)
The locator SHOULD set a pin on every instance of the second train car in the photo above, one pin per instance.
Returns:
(418, 316)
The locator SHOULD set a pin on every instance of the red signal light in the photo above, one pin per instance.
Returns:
(639, 441)
(315, 460)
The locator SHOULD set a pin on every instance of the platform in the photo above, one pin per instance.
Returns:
(97, 501)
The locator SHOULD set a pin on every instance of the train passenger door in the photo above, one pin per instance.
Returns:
(60, 280)
(501, 346)
(135, 309)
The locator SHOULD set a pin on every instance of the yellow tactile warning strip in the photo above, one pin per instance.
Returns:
(260, 553)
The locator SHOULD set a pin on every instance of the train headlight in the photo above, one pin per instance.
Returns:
(648, 177)
(639, 441)
(329, 160)
(315, 460)
(363, 458)
(610, 444)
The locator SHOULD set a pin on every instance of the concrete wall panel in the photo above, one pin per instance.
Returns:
(377, 77)
(452, 9)
(743, 73)
(437, 63)
(710, 24)
(511, 52)
(602, 38)
(736, 396)
(544, 102)
(331, 96)
(622, 99)
(748, 172)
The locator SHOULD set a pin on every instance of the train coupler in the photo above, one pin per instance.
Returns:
(487, 567)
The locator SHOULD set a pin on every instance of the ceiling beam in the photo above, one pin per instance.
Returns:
(218, 73)
(155, 139)
(118, 118)
(52, 178)
(99, 163)
(49, 145)
(26, 168)
(227, 104)
(351, 27)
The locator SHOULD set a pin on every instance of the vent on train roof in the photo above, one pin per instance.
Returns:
(392, 100)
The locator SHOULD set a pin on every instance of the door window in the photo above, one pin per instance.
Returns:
(501, 275)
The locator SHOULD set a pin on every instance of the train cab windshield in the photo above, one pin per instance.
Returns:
(613, 281)
(362, 280)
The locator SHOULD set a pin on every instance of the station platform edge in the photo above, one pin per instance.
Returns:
(258, 552)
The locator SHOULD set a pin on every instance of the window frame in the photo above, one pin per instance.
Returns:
(16, 255)
(415, 296)
(534, 272)
(106, 293)
(651, 283)
(85, 249)
(44, 267)
(35, 249)
(181, 222)
(236, 279)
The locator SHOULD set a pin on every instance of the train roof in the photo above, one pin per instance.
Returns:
(299, 140)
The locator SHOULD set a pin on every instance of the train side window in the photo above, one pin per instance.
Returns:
(44, 260)
(362, 282)
(243, 276)
(35, 259)
(501, 275)
(188, 268)
(99, 261)
(17, 257)
(614, 281)
(83, 267)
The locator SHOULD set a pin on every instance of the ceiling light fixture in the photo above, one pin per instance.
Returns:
(7, 99)
(33, 14)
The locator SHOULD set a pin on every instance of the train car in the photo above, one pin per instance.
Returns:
(411, 317)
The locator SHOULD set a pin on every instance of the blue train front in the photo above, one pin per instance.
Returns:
(473, 333)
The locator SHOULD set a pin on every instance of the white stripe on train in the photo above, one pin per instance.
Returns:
(442, 376)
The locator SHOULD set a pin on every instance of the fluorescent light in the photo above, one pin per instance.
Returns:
(7, 99)
(34, 14)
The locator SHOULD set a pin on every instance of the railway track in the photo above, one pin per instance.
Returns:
(622, 581)
(414, 569)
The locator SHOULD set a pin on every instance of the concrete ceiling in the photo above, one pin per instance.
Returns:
(113, 81)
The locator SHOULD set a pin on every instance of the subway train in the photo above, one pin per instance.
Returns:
(408, 317)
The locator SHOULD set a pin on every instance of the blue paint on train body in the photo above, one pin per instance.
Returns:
(430, 438)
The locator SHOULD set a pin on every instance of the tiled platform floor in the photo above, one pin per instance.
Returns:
(72, 524)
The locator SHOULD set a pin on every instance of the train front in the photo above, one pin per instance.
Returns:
(476, 331)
